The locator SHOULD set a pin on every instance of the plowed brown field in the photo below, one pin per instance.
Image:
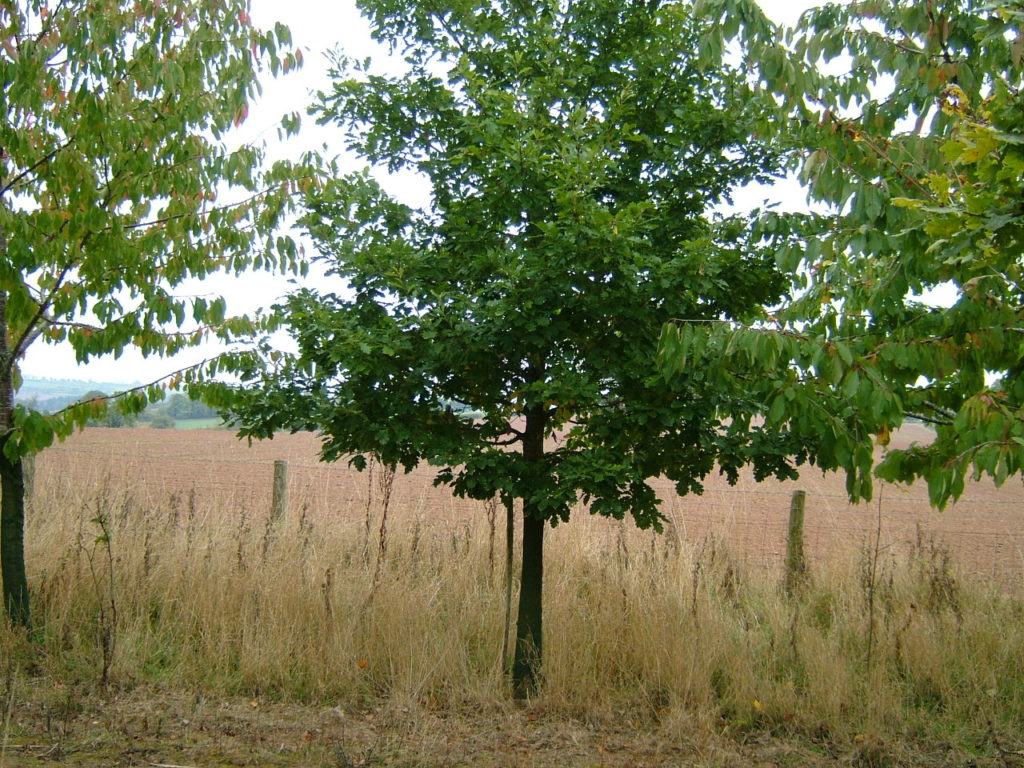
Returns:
(984, 531)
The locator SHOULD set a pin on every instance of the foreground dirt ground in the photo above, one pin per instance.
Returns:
(983, 531)
(163, 730)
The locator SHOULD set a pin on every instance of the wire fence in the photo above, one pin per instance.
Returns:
(983, 530)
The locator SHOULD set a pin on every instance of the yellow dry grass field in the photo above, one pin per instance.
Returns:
(177, 623)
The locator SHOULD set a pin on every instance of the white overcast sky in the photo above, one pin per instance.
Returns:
(316, 26)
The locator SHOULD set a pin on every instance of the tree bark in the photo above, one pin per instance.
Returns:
(12, 543)
(530, 624)
(526, 668)
(12, 493)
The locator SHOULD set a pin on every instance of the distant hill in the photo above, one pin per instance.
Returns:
(54, 394)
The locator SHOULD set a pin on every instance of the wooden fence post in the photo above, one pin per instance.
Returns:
(28, 475)
(796, 565)
(279, 503)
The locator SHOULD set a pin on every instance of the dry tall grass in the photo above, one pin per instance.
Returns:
(194, 594)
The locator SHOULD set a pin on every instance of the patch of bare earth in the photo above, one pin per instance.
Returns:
(158, 729)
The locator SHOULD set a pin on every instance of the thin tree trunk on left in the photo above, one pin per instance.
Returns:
(12, 540)
(12, 493)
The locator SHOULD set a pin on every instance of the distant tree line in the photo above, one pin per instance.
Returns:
(159, 416)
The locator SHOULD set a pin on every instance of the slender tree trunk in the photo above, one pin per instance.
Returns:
(12, 545)
(526, 668)
(530, 624)
(12, 492)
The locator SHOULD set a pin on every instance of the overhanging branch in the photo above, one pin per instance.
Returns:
(139, 388)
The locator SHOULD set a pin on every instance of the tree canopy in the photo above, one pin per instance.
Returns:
(574, 152)
(117, 184)
(915, 151)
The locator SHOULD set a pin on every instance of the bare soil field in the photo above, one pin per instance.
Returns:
(159, 729)
(984, 531)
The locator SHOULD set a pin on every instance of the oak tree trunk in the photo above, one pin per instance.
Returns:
(526, 668)
(530, 624)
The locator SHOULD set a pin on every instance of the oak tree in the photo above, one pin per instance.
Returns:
(117, 184)
(573, 153)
